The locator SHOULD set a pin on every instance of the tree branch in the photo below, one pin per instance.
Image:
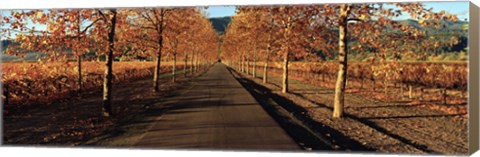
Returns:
(354, 19)
(101, 13)
(91, 24)
(148, 18)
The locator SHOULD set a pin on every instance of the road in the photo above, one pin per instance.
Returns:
(216, 112)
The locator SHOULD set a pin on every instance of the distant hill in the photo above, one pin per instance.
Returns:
(449, 25)
(220, 23)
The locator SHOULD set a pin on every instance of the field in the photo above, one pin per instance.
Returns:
(26, 83)
(438, 85)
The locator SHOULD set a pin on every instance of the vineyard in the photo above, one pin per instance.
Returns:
(26, 83)
(407, 81)
(286, 42)
(74, 38)
(348, 77)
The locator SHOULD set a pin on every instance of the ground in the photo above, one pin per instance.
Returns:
(375, 125)
(193, 112)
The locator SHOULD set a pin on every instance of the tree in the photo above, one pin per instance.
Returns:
(67, 31)
(106, 30)
(293, 21)
(369, 21)
(153, 23)
(179, 22)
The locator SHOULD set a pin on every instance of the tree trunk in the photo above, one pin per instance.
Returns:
(248, 67)
(286, 36)
(445, 95)
(254, 68)
(79, 57)
(196, 62)
(6, 94)
(285, 73)
(342, 59)
(421, 93)
(156, 74)
(107, 79)
(79, 65)
(191, 64)
(243, 64)
(185, 66)
(265, 74)
(410, 91)
(174, 67)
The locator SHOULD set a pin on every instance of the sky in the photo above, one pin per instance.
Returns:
(461, 9)
(221, 11)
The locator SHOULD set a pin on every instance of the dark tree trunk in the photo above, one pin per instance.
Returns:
(185, 65)
(107, 79)
(421, 93)
(80, 82)
(444, 95)
(157, 66)
(6, 94)
(79, 58)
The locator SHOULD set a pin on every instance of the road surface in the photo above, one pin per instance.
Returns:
(216, 112)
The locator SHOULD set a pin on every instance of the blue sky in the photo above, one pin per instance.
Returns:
(461, 9)
(458, 8)
(221, 11)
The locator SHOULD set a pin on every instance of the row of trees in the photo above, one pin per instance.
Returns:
(285, 33)
(110, 33)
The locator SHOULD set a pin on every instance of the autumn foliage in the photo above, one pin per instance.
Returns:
(66, 38)
(300, 33)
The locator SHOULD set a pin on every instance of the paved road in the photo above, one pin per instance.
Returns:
(216, 112)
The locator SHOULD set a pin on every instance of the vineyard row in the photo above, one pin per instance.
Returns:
(27, 83)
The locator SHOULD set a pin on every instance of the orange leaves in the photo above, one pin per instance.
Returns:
(167, 30)
(40, 14)
(44, 82)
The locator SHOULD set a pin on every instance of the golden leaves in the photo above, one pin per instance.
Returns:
(39, 14)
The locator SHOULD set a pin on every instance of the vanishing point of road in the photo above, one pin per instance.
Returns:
(216, 112)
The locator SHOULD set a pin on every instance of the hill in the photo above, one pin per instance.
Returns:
(449, 25)
(220, 23)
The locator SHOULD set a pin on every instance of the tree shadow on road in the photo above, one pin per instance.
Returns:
(304, 130)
